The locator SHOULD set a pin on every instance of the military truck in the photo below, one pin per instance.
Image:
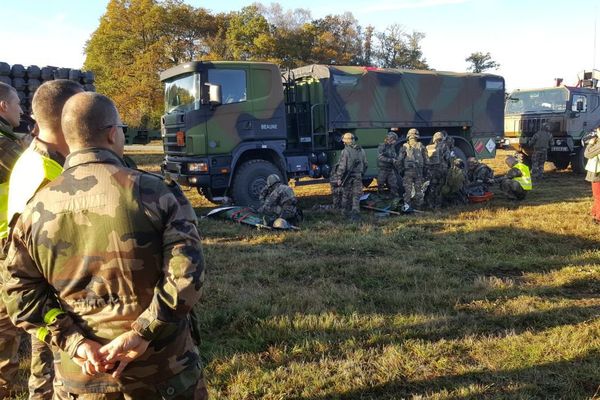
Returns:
(228, 125)
(570, 112)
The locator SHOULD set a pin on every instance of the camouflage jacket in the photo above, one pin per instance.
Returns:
(10, 150)
(101, 250)
(353, 161)
(279, 197)
(541, 140)
(438, 156)
(414, 157)
(386, 156)
(480, 174)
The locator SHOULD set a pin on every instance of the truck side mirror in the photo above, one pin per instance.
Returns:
(214, 94)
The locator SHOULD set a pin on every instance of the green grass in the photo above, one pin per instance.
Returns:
(497, 300)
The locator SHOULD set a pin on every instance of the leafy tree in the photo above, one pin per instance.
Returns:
(480, 62)
(336, 40)
(398, 49)
(248, 35)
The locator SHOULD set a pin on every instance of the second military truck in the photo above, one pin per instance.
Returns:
(571, 112)
(228, 125)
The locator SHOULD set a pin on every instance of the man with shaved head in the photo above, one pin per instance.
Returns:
(41, 162)
(108, 261)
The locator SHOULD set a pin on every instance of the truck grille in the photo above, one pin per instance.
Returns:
(170, 145)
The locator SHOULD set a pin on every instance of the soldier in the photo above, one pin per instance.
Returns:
(387, 158)
(11, 148)
(278, 201)
(351, 168)
(480, 177)
(115, 258)
(454, 189)
(540, 142)
(413, 157)
(39, 164)
(438, 159)
(517, 181)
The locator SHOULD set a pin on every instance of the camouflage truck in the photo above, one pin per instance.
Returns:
(570, 112)
(228, 125)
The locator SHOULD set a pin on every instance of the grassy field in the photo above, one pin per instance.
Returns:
(497, 301)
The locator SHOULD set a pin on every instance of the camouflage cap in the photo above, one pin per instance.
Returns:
(438, 137)
(348, 138)
(273, 179)
(472, 161)
(459, 163)
(412, 133)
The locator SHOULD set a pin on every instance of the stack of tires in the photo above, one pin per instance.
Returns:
(26, 80)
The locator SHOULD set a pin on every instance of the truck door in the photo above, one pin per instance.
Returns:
(579, 122)
(231, 121)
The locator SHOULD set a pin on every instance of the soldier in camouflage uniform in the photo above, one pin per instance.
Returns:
(278, 201)
(11, 148)
(38, 165)
(540, 142)
(387, 159)
(438, 161)
(413, 157)
(480, 177)
(351, 167)
(105, 264)
(454, 189)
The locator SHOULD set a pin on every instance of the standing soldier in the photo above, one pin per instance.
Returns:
(386, 161)
(413, 157)
(540, 142)
(10, 150)
(351, 168)
(41, 163)
(517, 181)
(438, 159)
(278, 201)
(115, 258)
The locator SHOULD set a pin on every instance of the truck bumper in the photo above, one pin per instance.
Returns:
(188, 180)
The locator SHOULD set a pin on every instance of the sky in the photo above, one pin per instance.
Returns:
(534, 41)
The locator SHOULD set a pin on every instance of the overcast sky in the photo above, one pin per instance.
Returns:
(534, 41)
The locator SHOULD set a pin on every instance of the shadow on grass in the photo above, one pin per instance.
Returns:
(570, 379)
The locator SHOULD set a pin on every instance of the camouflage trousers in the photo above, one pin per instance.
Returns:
(512, 189)
(184, 386)
(413, 182)
(352, 191)
(433, 196)
(42, 360)
(337, 194)
(387, 177)
(538, 159)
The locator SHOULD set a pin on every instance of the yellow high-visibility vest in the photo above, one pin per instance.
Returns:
(525, 179)
(31, 171)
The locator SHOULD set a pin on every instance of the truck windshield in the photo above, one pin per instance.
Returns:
(537, 101)
(182, 93)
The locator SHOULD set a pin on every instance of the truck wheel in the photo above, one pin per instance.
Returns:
(561, 162)
(578, 161)
(211, 194)
(250, 178)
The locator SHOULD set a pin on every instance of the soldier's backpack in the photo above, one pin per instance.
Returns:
(414, 156)
(434, 154)
(455, 181)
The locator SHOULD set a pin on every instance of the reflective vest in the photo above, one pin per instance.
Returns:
(31, 172)
(525, 179)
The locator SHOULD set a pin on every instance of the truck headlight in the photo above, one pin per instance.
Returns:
(198, 167)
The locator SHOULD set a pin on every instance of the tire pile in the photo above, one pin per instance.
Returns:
(26, 80)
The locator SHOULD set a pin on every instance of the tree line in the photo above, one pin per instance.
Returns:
(136, 39)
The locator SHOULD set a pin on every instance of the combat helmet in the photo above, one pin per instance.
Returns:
(273, 179)
(391, 136)
(348, 138)
(412, 133)
(438, 137)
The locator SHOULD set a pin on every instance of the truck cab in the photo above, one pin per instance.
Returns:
(570, 112)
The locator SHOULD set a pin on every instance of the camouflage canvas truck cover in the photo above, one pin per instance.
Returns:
(368, 101)
(228, 125)
(570, 112)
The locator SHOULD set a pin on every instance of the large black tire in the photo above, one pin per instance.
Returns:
(47, 73)
(560, 162)
(5, 79)
(62, 73)
(250, 178)
(578, 161)
(4, 69)
(17, 71)
(33, 72)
